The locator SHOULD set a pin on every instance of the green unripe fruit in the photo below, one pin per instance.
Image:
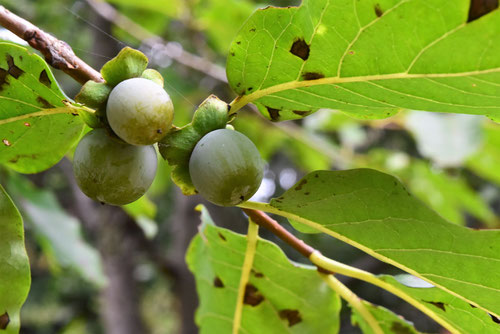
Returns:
(112, 172)
(226, 167)
(139, 111)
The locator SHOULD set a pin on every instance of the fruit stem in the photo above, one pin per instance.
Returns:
(252, 237)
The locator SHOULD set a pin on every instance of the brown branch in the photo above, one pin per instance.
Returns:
(172, 50)
(262, 219)
(57, 53)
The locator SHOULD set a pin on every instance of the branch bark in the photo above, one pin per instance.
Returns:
(57, 53)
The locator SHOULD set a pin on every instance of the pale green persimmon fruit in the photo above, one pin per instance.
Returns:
(112, 172)
(226, 167)
(139, 111)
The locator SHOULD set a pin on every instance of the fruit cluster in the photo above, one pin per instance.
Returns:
(115, 163)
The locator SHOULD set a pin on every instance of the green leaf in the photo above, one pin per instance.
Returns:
(177, 146)
(129, 63)
(59, 233)
(368, 58)
(462, 315)
(37, 122)
(281, 296)
(390, 322)
(15, 276)
(374, 212)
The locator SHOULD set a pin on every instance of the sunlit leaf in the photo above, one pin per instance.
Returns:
(375, 213)
(281, 296)
(37, 126)
(368, 58)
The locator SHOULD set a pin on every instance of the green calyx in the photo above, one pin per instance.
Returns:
(177, 147)
(129, 63)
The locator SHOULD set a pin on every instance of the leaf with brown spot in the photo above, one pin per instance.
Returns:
(34, 98)
(371, 65)
(279, 294)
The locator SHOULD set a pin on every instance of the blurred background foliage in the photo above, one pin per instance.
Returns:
(449, 161)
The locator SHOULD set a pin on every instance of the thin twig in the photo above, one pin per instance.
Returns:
(171, 49)
(56, 52)
(260, 218)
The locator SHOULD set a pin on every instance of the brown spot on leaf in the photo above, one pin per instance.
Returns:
(6, 142)
(399, 328)
(273, 113)
(257, 274)
(44, 78)
(351, 52)
(44, 103)
(301, 184)
(15, 71)
(218, 283)
(292, 316)
(479, 8)
(159, 131)
(307, 193)
(312, 75)
(438, 305)
(222, 236)
(378, 11)
(252, 296)
(27, 124)
(301, 112)
(300, 48)
(3, 78)
(4, 320)
(252, 30)
(232, 54)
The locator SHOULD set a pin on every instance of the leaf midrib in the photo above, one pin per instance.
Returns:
(242, 100)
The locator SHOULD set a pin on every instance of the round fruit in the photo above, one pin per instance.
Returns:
(139, 111)
(226, 167)
(112, 172)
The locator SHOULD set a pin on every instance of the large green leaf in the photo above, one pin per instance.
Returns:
(38, 124)
(14, 265)
(375, 213)
(281, 296)
(369, 58)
